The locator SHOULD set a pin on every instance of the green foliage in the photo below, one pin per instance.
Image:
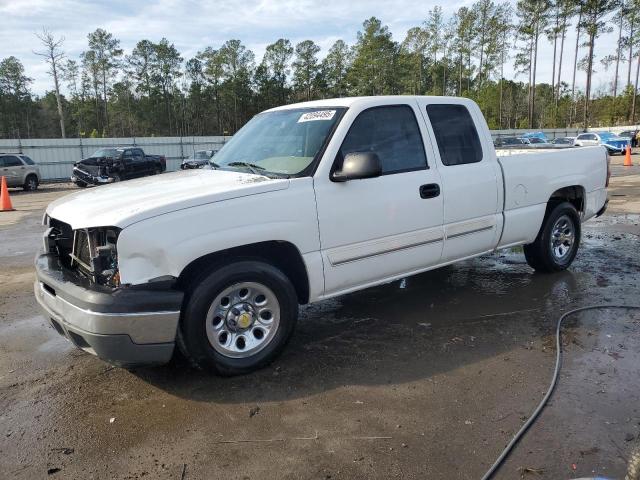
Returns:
(155, 91)
(375, 56)
(305, 68)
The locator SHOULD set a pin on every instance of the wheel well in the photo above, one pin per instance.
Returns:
(281, 254)
(31, 175)
(573, 194)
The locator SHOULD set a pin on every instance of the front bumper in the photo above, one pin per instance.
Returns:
(126, 326)
(612, 148)
(191, 165)
(86, 177)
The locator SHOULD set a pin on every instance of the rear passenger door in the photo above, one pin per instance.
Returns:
(471, 178)
(13, 169)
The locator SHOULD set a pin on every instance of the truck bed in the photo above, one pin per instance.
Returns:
(532, 176)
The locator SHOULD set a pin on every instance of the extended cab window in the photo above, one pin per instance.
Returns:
(392, 133)
(456, 134)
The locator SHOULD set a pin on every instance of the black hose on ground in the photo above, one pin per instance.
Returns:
(554, 380)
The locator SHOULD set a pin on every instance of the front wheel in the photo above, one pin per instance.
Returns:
(238, 318)
(30, 183)
(556, 245)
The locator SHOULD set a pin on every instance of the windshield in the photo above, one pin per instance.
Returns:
(283, 142)
(608, 136)
(201, 155)
(106, 152)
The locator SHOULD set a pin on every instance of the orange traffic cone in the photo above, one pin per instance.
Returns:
(5, 201)
(627, 158)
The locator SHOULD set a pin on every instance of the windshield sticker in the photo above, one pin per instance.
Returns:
(319, 115)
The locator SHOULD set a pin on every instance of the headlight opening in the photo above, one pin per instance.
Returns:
(94, 254)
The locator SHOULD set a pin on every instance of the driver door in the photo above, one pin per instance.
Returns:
(377, 229)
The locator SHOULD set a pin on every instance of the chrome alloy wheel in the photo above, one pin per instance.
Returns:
(243, 319)
(562, 237)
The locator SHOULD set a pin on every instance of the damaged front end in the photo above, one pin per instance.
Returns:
(78, 288)
(90, 252)
(94, 171)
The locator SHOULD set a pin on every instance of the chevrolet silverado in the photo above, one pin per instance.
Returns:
(306, 202)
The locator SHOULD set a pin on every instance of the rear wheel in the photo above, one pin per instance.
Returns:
(30, 183)
(238, 318)
(556, 245)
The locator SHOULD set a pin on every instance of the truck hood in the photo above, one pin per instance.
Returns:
(123, 203)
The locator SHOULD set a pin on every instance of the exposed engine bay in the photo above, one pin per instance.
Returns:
(91, 252)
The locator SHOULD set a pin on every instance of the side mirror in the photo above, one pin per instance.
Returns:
(358, 165)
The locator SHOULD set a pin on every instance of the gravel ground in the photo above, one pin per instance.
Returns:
(428, 377)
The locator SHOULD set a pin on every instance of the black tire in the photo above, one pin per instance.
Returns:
(192, 335)
(540, 255)
(30, 183)
(116, 177)
(81, 184)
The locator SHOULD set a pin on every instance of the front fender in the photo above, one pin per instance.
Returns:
(165, 244)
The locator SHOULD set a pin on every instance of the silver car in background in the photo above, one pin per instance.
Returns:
(20, 171)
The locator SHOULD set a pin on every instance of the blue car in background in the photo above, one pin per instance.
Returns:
(535, 137)
(612, 142)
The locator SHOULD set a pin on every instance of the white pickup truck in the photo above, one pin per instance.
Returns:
(306, 202)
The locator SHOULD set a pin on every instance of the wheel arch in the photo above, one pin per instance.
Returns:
(574, 194)
(279, 253)
(31, 175)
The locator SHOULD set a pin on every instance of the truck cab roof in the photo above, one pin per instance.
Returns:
(373, 100)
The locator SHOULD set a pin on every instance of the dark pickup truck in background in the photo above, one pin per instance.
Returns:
(114, 164)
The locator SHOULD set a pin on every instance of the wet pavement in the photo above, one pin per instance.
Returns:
(428, 377)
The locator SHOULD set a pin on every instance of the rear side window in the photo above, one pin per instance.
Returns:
(392, 133)
(11, 161)
(27, 160)
(455, 133)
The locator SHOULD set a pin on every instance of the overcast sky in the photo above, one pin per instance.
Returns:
(195, 24)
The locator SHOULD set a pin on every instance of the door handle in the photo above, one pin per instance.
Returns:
(430, 190)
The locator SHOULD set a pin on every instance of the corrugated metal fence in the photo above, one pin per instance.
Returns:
(56, 157)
